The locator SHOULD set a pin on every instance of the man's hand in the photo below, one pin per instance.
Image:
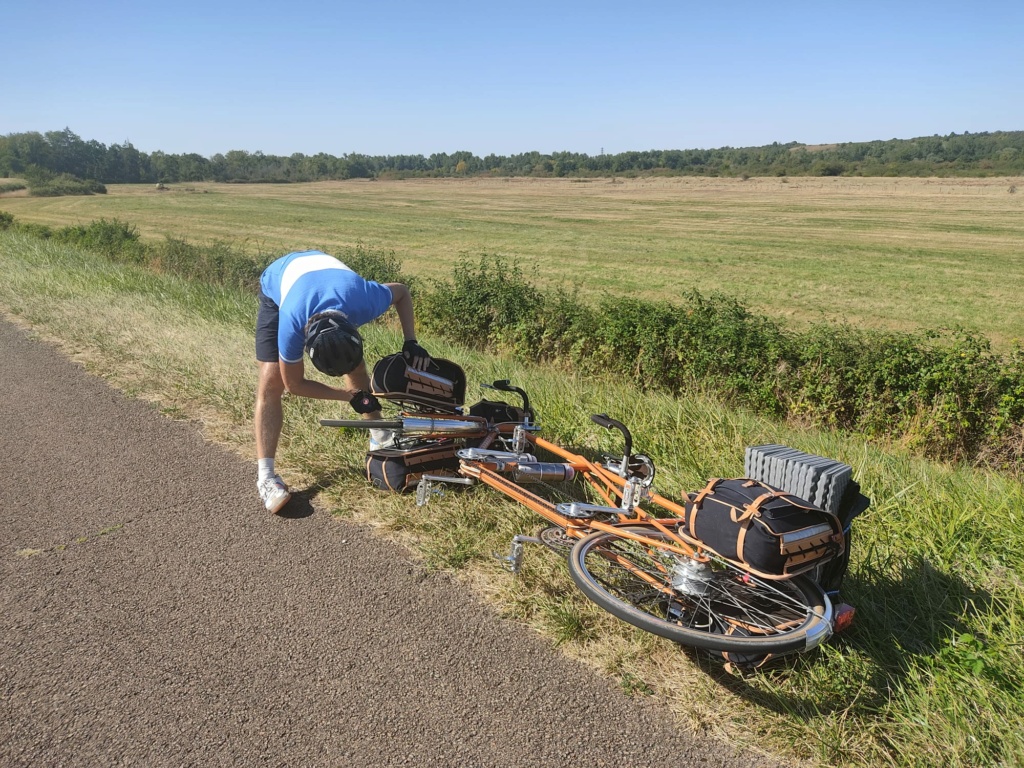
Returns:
(364, 402)
(415, 355)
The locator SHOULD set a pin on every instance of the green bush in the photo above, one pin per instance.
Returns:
(945, 394)
(41, 231)
(217, 263)
(844, 377)
(380, 266)
(566, 330)
(957, 397)
(718, 340)
(490, 304)
(832, 168)
(6, 221)
(114, 239)
(66, 184)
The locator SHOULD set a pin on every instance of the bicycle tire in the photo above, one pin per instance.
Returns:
(725, 610)
(361, 423)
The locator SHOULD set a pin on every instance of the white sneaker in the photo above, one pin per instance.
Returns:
(274, 493)
(381, 438)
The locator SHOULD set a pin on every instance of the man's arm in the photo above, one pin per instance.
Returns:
(401, 300)
(295, 381)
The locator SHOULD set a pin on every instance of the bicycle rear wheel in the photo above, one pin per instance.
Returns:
(715, 606)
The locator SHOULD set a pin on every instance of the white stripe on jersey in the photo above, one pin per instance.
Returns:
(303, 265)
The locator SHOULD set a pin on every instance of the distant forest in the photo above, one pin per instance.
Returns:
(64, 154)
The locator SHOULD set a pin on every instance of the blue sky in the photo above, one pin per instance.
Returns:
(390, 77)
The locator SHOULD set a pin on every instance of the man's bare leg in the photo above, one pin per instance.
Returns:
(269, 418)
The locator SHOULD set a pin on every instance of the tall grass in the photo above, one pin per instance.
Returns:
(931, 673)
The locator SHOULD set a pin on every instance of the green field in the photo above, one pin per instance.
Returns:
(900, 254)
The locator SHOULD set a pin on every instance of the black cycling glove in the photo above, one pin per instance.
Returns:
(364, 402)
(415, 355)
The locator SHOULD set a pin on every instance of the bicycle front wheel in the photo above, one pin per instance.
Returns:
(714, 605)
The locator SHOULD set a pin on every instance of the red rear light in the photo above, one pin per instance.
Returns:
(844, 617)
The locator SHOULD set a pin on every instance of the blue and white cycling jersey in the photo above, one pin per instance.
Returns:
(306, 282)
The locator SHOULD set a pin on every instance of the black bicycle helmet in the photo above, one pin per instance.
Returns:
(333, 343)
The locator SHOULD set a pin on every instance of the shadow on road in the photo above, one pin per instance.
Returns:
(300, 505)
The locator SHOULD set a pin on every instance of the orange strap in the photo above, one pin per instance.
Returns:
(752, 509)
(707, 489)
(739, 542)
(697, 500)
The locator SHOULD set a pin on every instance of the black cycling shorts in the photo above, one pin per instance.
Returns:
(266, 330)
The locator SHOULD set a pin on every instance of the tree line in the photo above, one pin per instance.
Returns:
(63, 153)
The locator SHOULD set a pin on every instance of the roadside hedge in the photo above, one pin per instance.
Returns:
(943, 393)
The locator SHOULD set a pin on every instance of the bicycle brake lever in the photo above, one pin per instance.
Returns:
(502, 385)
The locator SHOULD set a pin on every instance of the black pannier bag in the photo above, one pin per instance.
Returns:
(769, 532)
(829, 576)
(497, 412)
(441, 387)
(826, 483)
(400, 469)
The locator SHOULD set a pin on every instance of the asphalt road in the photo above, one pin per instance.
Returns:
(153, 614)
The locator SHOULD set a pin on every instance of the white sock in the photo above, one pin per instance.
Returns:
(266, 470)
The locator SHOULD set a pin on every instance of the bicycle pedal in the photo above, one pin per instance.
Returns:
(513, 561)
(433, 485)
(424, 490)
(576, 510)
(510, 563)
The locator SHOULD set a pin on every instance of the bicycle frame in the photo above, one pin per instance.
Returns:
(610, 486)
(629, 552)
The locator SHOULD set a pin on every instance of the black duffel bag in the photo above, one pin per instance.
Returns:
(762, 529)
(400, 469)
(441, 387)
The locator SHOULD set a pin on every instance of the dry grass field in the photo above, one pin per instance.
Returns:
(881, 252)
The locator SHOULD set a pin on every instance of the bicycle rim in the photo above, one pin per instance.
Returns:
(717, 607)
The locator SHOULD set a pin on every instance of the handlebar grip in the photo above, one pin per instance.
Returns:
(504, 385)
(604, 420)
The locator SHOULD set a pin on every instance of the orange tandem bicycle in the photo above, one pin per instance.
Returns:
(627, 546)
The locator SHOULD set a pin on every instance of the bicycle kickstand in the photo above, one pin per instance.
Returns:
(514, 560)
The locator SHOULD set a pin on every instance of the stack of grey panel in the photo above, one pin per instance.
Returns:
(816, 479)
